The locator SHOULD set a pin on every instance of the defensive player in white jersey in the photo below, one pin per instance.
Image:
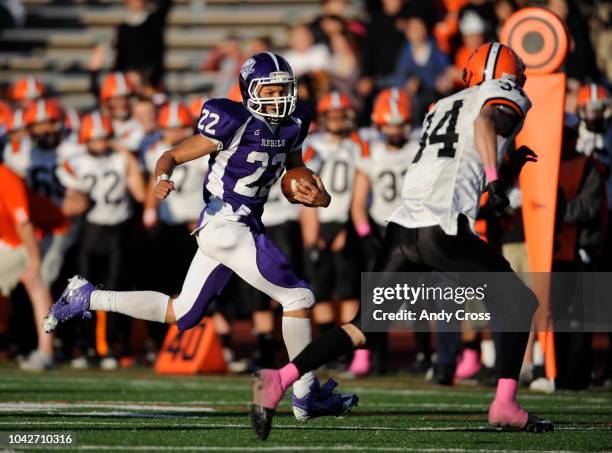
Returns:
(463, 143)
(35, 153)
(108, 178)
(115, 92)
(38, 160)
(331, 259)
(174, 218)
(250, 143)
(380, 174)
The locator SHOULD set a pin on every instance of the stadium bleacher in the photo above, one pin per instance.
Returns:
(56, 43)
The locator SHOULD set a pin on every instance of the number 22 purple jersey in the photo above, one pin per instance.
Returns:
(250, 157)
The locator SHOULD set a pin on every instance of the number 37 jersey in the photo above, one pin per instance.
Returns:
(446, 177)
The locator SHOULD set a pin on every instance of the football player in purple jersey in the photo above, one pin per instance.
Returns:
(250, 143)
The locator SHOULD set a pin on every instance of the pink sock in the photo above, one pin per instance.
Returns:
(361, 361)
(506, 390)
(288, 375)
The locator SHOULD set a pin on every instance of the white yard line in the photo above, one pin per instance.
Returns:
(179, 384)
(35, 407)
(206, 425)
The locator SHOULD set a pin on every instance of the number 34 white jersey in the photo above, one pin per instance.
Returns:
(446, 177)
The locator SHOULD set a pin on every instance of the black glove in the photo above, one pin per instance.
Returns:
(498, 201)
(511, 169)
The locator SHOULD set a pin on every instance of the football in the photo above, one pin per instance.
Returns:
(291, 178)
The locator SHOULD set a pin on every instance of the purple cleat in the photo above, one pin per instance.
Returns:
(74, 301)
(322, 401)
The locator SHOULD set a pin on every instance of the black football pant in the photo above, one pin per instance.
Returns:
(101, 260)
(431, 249)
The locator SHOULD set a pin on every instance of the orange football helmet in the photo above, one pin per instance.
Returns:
(27, 89)
(593, 95)
(493, 60)
(392, 106)
(95, 126)
(115, 84)
(15, 121)
(175, 114)
(43, 110)
(332, 101)
(5, 116)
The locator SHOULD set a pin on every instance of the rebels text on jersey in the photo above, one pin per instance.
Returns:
(250, 157)
(447, 177)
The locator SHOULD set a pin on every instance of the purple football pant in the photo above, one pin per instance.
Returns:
(226, 246)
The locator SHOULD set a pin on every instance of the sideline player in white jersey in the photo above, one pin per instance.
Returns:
(108, 178)
(250, 143)
(174, 217)
(331, 258)
(380, 174)
(35, 153)
(463, 143)
(115, 92)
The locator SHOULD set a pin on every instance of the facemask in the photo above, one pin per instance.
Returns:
(47, 141)
(597, 125)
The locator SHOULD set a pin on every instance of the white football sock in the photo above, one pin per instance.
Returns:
(487, 349)
(538, 354)
(147, 305)
(297, 334)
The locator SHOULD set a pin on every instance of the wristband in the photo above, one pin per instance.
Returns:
(491, 174)
(163, 177)
(363, 230)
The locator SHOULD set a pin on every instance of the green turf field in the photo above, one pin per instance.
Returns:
(137, 410)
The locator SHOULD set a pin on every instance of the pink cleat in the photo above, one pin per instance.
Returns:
(469, 364)
(360, 365)
(267, 393)
(509, 415)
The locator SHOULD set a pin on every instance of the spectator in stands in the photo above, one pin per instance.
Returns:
(305, 55)
(384, 40)
(140, 38)
(225, 59)
(472, 29)
(12, 14)
(422, 68)
(335, 18)
(580, 63)
(486, 10)
(503, 10)
(259, 44)
(344, 64)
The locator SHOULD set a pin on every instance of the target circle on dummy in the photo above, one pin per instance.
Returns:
(539, 37)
